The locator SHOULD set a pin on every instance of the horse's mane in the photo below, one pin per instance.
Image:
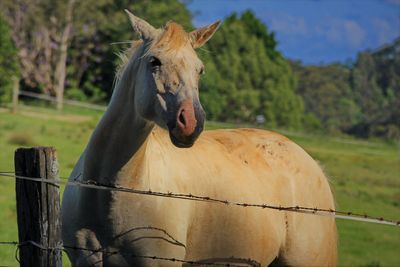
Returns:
(124, 57)
(171, 39)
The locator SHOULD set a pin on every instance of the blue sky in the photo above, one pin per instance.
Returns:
(314, 31)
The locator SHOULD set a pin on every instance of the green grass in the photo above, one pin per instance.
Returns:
(365, 176)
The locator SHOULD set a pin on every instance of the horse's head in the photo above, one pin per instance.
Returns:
(166, 86)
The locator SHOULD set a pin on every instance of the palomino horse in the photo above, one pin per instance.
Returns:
(147, 140)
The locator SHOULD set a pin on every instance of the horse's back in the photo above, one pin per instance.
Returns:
(297, 180)
(269, 153)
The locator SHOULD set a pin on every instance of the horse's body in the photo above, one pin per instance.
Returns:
(243, 165)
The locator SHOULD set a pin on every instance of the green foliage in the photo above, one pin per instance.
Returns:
(246, 75)
(8, 63)
(327, 94)
(311, 123)
(363, 99)
(75, 94)
(376, 85)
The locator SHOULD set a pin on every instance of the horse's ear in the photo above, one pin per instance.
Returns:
(146, 31)
(200, 36)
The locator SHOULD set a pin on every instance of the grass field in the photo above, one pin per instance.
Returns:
(365, 177)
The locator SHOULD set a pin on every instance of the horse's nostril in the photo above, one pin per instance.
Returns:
(181, 118)
(186, 119)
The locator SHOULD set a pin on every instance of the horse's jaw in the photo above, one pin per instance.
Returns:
(179, 143)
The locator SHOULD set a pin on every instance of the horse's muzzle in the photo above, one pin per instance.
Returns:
(187, 124)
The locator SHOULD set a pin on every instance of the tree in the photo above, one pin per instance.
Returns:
(42, 31)
(366, 89)
(362, 98)
(376, 85)
(327, 94)
(246, 75)
(8, 66)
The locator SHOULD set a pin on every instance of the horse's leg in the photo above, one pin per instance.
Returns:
(320, 248)
(87, 250)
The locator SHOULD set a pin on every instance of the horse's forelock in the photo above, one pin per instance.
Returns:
(172, 38)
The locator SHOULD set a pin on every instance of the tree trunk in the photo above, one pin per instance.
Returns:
(61, 67)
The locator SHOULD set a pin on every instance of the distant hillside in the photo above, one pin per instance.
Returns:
(362, 99)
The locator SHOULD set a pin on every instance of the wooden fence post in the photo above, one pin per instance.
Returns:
(38, 207)
(15, 94)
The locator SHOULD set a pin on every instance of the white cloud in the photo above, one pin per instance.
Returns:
(342, 31)
(354, 33)
(287, 24)
(393, 2)
(384, 30)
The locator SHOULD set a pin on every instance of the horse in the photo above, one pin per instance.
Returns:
(151, 138)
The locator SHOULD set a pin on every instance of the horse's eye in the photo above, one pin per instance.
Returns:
(155, 63)
(201, 71)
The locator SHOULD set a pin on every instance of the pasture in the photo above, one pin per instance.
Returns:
(365, 177)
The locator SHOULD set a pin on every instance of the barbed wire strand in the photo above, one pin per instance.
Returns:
(8, 243)
(347, 215)
(108, 253)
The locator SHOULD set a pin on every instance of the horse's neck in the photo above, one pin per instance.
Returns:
(118, 136)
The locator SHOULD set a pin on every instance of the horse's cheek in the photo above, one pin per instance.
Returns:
(148, 111)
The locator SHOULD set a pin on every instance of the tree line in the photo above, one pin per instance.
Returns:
(69, 49)
(361, 98)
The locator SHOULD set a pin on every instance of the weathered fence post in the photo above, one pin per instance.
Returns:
(15, 94)
(38, 207)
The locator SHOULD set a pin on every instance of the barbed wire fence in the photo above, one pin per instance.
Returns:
(57, 181)
(108, 253)
(347, 215)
